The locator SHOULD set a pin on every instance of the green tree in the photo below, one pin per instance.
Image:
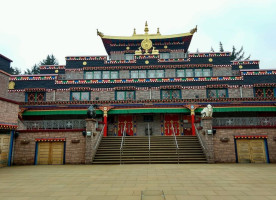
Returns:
(221, 47)
(34, 70)
(238, 55)
(15, 71)
(50, 60)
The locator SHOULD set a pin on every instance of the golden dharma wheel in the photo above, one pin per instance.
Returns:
(146, 44)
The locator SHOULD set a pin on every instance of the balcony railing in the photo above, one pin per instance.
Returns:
(245, 121)
(56, 124)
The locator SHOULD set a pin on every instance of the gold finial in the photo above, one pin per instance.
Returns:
(134, 31)
(193, 30)
(158, 32)
(146, 28)
(100, 33)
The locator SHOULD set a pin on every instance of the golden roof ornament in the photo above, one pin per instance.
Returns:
(193, 30)
(134, 31)
(100, 33)
(146, 28)
(158, 32)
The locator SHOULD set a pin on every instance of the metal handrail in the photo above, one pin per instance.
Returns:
(122, 143)
(176, 143)
(199, 138)
(149, 143)
(99, 138)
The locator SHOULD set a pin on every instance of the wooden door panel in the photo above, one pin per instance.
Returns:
(257, 151)
(57, 153)
(43, 156)
(50, 153)
(243, 147)
(4, 149)
(251, 151)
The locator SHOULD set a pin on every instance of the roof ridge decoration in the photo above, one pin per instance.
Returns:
(143, 36)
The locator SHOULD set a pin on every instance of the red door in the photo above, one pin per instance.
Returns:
(171, 124)
(125, 121)
(187, 125)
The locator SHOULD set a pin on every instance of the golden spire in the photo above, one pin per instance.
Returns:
(134, 31)
(146, 28)
(158, 32)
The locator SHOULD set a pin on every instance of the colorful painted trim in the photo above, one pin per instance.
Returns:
(214, 54)
(153, 101)
(8, 127)
(251, 137)
(35, 89)
(265, 85)
(154, 67)
(33, 78)
(146, 56)
(174, 60)
(86, 58)
(246, 62)
(119, 61)
(152, 80)
(263, 72)
(50, 139)
(149, 109)
(52, 67)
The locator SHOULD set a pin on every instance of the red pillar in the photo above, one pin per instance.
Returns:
(193, 123)
(105, 122)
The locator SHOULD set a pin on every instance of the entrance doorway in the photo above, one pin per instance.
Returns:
(125, 122)
(251, 151)
(50, 153)
(171, 124)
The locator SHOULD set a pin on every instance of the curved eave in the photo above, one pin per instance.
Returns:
(150, 36)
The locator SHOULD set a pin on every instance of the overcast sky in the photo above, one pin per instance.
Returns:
(32, 29)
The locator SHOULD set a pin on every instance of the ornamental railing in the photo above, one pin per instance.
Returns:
(244, 121)
(55, 124)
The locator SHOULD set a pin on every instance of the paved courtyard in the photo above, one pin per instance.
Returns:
(191, 182)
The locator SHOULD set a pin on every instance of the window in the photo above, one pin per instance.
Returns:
(217, 93)
(125, 95)
(151, 73)
(180, 73)
(170, 94)
(206, 72)
(198, 72)
(189, 73)
(101, 75)
(265, 92)
(142, 74)
(193, 72)
(129, 56)
(164, 55)
(177, 54)
(147, 74)
(80, 96)
(97, 75)
(134, 74)
(35, 96)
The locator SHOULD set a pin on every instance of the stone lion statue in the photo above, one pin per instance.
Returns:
(91, 112)
(207, 111)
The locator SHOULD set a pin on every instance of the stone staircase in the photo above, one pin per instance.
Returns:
(162, 150)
